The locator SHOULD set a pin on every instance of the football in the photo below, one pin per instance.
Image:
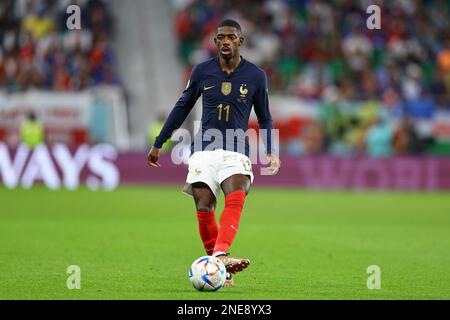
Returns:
(207, 273)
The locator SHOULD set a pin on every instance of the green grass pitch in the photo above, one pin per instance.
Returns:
(138, 243)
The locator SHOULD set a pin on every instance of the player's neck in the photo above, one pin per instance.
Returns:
(230, 65)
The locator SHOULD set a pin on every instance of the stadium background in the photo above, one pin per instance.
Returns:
(357, 110)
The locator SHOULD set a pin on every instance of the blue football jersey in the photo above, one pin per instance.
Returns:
(227, 102)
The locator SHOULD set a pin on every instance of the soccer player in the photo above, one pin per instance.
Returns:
(230, 86)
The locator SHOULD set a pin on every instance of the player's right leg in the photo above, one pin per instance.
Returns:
(202, 185)
(205, 203)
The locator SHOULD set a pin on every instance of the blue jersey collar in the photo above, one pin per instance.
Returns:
(237, 68)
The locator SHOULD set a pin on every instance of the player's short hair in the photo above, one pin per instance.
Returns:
(230, 23)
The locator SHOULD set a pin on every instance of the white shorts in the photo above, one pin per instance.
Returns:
(213, 167)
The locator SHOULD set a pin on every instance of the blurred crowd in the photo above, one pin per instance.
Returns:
(373, 87)
(37, 50)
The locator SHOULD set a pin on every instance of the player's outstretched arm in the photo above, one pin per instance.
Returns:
(275, 163)
(152, 157)
(265, 122)
(177, 116)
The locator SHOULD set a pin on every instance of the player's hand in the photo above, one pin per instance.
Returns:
(152, 157)
(275, 164)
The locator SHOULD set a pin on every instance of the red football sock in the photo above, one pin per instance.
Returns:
(208, 228)
(229, 220)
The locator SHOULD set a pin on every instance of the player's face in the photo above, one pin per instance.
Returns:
(228, 40)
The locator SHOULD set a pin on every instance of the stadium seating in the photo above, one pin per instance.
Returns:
(38, 52)
(311, 47)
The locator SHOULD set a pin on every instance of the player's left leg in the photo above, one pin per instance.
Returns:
(235, 188)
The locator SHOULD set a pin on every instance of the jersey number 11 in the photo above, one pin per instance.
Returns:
(227, 112)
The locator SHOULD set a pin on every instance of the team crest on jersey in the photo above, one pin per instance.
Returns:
(243, 93)
(226, 88)
(243, 90)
